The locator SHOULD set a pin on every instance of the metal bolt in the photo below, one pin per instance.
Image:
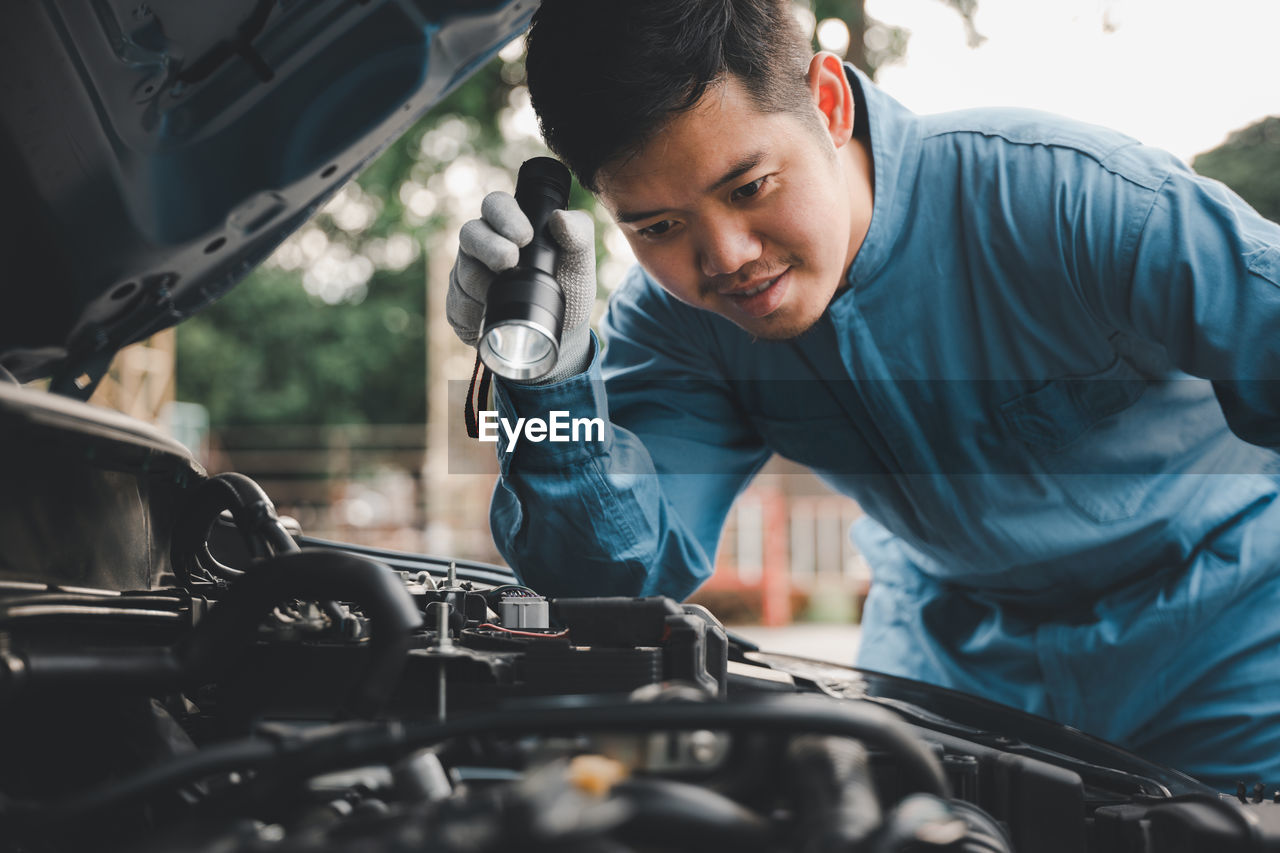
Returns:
(444, 645)
(702, 746)
(443, 639)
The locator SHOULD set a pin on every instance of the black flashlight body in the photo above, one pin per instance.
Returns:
(526, 298)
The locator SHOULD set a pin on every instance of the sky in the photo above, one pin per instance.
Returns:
(1177, 74)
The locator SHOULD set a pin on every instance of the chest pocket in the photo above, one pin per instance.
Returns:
(1074, 427)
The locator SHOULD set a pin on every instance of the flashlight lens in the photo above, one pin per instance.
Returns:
(519, 345)
(518, 351)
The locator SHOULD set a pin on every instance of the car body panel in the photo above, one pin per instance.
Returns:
(158, 151)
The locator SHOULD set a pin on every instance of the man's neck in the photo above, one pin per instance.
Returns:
(859, 169)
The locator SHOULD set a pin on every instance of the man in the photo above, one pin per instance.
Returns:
(984, 326)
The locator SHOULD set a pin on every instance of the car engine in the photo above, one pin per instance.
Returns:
(181, 671)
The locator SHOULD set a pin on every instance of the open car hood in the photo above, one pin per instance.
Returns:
(154, 153)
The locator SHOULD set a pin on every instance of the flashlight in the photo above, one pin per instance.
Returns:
(524, 310)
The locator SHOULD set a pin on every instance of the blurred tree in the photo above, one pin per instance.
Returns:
(1249, 163)
(271, 353)
(870, 43)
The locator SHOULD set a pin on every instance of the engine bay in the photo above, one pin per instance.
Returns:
(181, 670)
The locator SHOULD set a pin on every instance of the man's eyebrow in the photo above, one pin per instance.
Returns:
(737, 170)
(746, 164)
(624, 216)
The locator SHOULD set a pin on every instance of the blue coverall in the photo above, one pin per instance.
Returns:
(1051, 385)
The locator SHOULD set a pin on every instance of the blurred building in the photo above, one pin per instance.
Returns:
(786, 555)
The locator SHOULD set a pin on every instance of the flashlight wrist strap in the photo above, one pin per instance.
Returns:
(477, 396)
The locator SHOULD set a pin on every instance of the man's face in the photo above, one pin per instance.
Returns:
(755, 216)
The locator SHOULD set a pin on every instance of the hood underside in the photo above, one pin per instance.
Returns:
(154, 153)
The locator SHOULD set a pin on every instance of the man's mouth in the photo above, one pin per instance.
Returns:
(760, 297)
(752, 291)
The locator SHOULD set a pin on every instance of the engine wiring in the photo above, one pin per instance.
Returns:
(535, 634)
(513, 590)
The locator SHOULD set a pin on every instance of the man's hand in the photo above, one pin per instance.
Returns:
(492, 243)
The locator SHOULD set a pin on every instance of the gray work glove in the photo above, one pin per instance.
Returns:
(491, 244)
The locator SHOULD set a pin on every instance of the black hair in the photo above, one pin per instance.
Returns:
(606, 75)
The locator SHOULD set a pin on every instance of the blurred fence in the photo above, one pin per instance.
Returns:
(785, 555)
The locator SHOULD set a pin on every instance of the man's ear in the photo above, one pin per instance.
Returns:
(832, 96)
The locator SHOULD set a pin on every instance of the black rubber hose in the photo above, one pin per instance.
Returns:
(219, 758)
(280, 541)
(257, 514)
(985, 833)
(231, 626)
(875, 726)
(354, 744)
(670, 815)
(307, 752)
(220, 639)
(144, 602)
(117, 669)
(958, 825)
(830, 786)
(190, 548)
(254, 515)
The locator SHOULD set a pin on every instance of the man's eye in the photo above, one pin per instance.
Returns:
(657, 229)
(748, 190)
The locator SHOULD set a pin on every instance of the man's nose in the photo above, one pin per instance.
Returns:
(727, 247)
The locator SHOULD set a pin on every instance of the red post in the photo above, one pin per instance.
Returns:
(775, 581)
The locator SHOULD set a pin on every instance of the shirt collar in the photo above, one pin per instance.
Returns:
(895, 136)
